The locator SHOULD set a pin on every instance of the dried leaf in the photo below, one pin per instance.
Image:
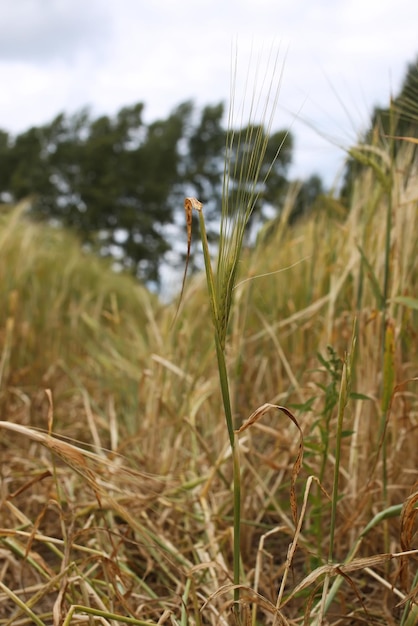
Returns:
(339, 569)
(50, 410)
(189, 205)
(71, 455)
(408, 526)
(388, 365)
(254, 417)
(409, 139)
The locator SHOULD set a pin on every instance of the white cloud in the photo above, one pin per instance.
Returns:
(43, 31)
(343, 57)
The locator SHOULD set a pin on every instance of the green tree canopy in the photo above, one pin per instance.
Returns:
(119, 182)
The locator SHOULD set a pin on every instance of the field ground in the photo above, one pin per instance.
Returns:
(116, 471)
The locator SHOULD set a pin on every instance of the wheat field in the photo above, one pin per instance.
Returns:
(119, 475)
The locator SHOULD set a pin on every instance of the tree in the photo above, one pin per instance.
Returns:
(109, 179)
(119, 182)
(311, 189)
(204, 158)
(6, 168)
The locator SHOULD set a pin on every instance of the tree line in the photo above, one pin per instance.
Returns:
(120, 182)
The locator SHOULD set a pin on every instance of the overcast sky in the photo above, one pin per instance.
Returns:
(341, 57)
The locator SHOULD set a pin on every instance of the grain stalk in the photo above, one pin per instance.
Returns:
(242, 181)
(383, 165)
(387, 330)
(342, 404)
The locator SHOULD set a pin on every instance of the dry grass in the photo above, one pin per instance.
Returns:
(116, 486)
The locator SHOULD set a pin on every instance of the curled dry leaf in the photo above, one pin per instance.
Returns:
(71, 455)
(409, 139)
(409, 518)
(254, 417)
(248, 596)
(336, 569)
(189, 205)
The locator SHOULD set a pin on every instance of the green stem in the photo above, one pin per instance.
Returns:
(342, 403)
(386, 279)
(208, 269)
(341, 408)
(226, 399)
(106, 614)
(237, 524)
(21, 604)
